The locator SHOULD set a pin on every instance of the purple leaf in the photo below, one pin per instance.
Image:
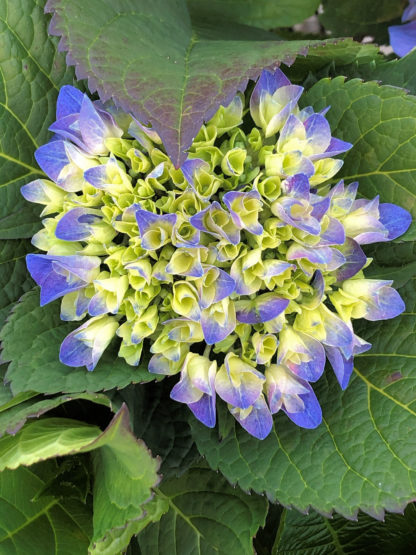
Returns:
(178, 73)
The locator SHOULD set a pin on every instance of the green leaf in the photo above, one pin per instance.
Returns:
(305, 535)
(163, 425)
(259, 13)
(125, 471)
(398, 72)
(116, 540)
(34, 354)
(337, 56)
(205, 516)
(179, 71)
(12, 418)
(380, 121)
(362, 456)
(14, 277)
(396, 261)
(42, 526)
(358, 18)
(31, 73)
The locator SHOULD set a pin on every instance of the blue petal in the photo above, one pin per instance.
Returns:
(395, 218)
(261, 309)
(69, 101)
(52, 158)
(403, 38)
(259, 422)
(75, 225)
(311, 416)
(355, 260)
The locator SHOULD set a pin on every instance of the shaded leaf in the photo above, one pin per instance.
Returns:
(14, 277)
(163, 425)
(259, 13)
(12, 418)
(34, 355)
(309, 534)
(358, 18)
(205, 516)
(398, 72)
(396, 261)
(179, 71)
(31, 73)
(335, 57)
(41, 526)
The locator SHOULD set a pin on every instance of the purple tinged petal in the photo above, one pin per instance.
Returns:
(311, 416)
(269, 82)
(85, 345)
(319, 206)
(92, 127)
(191, 166)
(309, 360)
(395, 219)
(334, 234)
(223, 286)
(403, 38)
(297, 186)
(58, 275)
(159, 364)
(336, 147)
(258, 422)
(261, 309)
(274, 268)
(388, 304)
(355, 260)
(204, 410)
(318, 132)
(97, 176)
(75, 225)
(341, 366)
(52, 158)
(218, 321)
(68, 128)
(238, 383)
(338, 333)
(69, 101)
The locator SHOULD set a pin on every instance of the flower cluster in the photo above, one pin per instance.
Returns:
(403, 37)
(241, 271)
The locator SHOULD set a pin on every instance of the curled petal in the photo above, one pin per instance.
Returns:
(256, 420)
(85, 345)
(59, 275)
(261, 309)
(238, 383)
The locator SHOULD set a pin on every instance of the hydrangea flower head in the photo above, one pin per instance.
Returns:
(240, 272)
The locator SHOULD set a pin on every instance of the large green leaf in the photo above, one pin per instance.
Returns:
(205, 516)
(31, 73)
(380, 121)
(306, 535)
(124, 469)
(14, 277)
(178, 72)
(259, 13)
(358, 18)
(362, 456)
(34, 354)
(43, 526)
